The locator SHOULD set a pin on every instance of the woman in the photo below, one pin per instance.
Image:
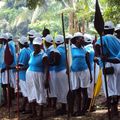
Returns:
(61, 76)
(23, 59)
(35, 79)
(52, 79)
(80, 75)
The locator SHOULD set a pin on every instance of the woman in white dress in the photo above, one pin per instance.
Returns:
(35, 79)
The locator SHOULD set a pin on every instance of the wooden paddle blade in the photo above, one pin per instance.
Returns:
(8, 57)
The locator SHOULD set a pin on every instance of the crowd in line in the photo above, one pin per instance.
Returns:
(43, 77)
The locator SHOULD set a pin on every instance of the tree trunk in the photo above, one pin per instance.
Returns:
(73, 21)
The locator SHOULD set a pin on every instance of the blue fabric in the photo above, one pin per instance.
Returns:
(111, 45)
(51, 68)
(31, 47)
(118, 56)
(62, 62)
(89, 48)
(35, 62)
(23, 59)
(78, 59)
(1, 55)
(100, 62)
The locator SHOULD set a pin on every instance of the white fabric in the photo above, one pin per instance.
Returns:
(68, 36)
(4, 36)
(78, 34)
(37, 40)
(9, 35)
(23, 40)
(117, 74)
(91, 87)
(49, 38)
(109, 25)
(61, 86)
(35, 87)
(32, 32)
(111, 82)
(23, 87)
(88, 38)
(80, 79)
(59, 39)
(12, 75)
(117, 27)
(52, 84)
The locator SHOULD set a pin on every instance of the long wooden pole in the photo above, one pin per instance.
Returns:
(105, 80)
(8, 91)
(18, 114)
(68, 74)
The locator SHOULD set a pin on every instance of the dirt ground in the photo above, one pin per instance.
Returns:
(49, 114)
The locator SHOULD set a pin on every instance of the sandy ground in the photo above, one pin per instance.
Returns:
(49, 114)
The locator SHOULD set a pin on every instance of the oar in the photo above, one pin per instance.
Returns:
(69, 95)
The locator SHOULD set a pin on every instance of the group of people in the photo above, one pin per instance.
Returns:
(51, 68)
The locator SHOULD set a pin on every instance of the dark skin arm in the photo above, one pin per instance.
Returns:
(111, 60)
(57, 58)
(115, 60)
(88, 63)
(21, 67)
(46, 66)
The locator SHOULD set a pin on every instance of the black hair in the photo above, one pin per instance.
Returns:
(73, 40)
(45, 32)
(25, 45)
(108, 31)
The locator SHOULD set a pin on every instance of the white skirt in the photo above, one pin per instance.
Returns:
(111, 82)
(4, 78)
(35, 87)
(91, 87)
(117, 74)
(80, 79)
(61, 86)
(23, 88)
(52, 82)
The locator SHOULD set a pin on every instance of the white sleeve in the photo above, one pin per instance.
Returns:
(44, 55)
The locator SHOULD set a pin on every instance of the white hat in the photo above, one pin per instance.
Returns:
(32, 33)
(59, 39)
(68, 36)
(9, 35)
(108, 25)
(88, 38)
(3, 36)
(77, 34)
(23, 40)
(38, 34)
(49, 38)
(37, 40)
(117, 27)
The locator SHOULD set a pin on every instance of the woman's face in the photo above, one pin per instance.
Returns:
(79, 42)
(37, 48)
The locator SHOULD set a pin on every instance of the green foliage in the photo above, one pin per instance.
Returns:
(111, 14)
(46, 13)
(114, 2)
(32, 4)
(112, 11)
(8, 14)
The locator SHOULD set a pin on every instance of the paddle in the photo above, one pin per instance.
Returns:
(69, 95)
